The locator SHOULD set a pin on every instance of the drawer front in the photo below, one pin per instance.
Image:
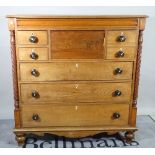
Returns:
(75, 71)
(85, 115)
(75, 23)
(76, 92)
(77, 44)
(121, 53)
(115, 37)
(32, 54)
(32, 37)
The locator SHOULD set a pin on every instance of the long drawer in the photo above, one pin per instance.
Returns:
(75, 71)
(84, 115)
(76, 92)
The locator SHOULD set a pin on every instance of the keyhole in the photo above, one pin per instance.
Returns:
(122, 33)
(121, 49)
(77, 65)
(76, 86)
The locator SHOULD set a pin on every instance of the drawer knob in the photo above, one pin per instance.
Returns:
(116, 115)
(118, 71)
(120, 54)
(35, 117)
(33, 39)
(34, 56)
(117, 93)
(121, 38)
(35, 94)
(35, 73)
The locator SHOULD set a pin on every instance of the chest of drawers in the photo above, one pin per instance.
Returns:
(75, 76)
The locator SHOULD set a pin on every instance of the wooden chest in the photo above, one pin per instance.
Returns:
(75, 76)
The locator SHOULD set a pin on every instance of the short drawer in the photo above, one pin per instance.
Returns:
(123, 37)
(32, 54)
(75, 44)
(83, 115)
(121, 52)
(32, 37)
(76, 92)
(57, 71)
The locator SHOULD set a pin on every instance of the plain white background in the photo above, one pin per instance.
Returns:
(146, 98)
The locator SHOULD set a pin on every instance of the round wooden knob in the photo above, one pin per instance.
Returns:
(34, 56)
(35, 94)
(33, 39)
(35, 117)
(116, 115)
(118, 71)
(121, 38)
(117, 93)
(35, 73)
(120, 54)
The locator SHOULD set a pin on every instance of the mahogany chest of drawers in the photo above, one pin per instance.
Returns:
(75, 76)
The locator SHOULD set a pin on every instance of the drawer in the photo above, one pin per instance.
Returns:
(32, 37)
(75, 71)
(76, 92)
(83, 115)
(121, 52)
(123, 37)
(77, 44)
(32, 54)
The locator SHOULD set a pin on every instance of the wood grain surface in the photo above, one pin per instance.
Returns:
(96, 115)
(57, 71)
(77, 44)
(76, 92)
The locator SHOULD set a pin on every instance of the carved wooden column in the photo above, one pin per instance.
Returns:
(138, 64)
(14, 72)
(14, 69)
(138, 61)
(136, 81)
(137, 72)
(130, 134)
(20, 137)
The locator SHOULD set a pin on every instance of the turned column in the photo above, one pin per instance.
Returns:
(20, 137)
(130, 134)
